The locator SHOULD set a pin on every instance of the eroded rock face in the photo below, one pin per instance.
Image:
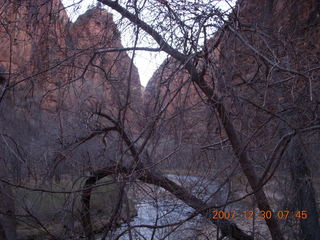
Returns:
(58, 79)
(39, 42)
(271, 59)
(185, 123)
(286, 33)
(171, 91)
(27, 29)
(32, 38)
(103, 77)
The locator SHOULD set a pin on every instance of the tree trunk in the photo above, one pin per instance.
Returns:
(249, 171)
(7, 207)
(303, 188)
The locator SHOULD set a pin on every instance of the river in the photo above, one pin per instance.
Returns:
(166, 210)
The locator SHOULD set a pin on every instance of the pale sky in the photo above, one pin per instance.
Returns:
(146, 62)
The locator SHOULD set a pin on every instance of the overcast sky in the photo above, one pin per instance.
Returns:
(146, 62)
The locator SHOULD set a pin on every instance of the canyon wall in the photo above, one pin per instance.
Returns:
(54, 80)
(265, 63)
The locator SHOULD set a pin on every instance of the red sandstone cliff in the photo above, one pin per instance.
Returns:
(266, 35)
(104, 77)
(27, 28)
(170, 90)
(53, 62)
(53, 78)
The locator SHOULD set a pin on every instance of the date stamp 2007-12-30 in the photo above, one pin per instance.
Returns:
(248, 214)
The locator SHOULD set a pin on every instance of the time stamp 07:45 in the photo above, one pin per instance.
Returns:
(282, 214)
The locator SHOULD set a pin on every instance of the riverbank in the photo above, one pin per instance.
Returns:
(55, 212)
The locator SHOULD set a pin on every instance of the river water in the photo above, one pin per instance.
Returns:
(170, 211)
